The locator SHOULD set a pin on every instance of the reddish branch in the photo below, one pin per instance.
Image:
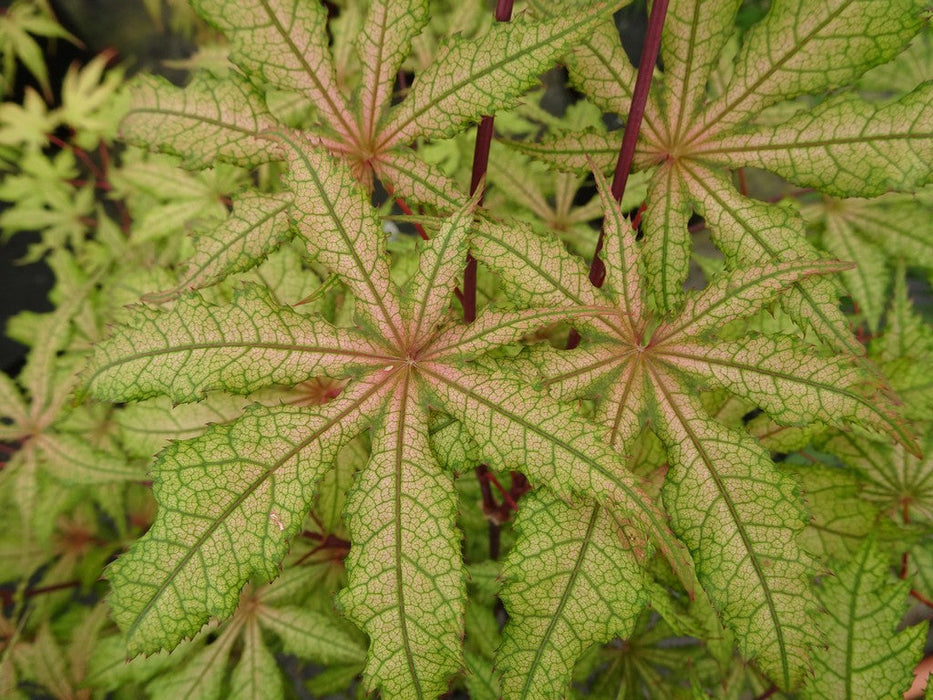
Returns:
(649, 57)
(337, 547)
(81, 155)
(743, 185)
(499, 513)
(636, 222)
(403, 205)
(905, 561)
(99, 177)
(477, 180)
(495, 513)
(7, 596)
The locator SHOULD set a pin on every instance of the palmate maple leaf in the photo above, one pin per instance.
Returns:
(692, 135)
(231, 499)
(737, 513)
(235, 654)
(863, 656)
(33, 418)
(284, 46)
(905, 350)
(896, 480)
(874, 232)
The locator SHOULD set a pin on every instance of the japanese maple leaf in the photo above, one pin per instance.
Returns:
(694, 133)
(237, 655)
(231, 499)
(572, 581)
(899, 482)
(34, 422)
(737, 513)
(283, 46)
(873, 232)
(862, 656)
(904, 351)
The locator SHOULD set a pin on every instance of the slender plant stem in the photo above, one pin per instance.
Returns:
(80, 154)
(743, 185)
(468, 297)
(7, 597)
(403, 205)
(481, 156)
(490, 508)
(477, 179)
(649, 57)
(768, 693)
(905, 561)
(507, 501)
(337, 546)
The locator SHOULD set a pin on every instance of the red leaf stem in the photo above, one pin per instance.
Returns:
(922, 598)
(80, 154)
(403, 205)
(768, 693)
(7, 596)
(477, 180)
(636, 221)
(468, 296)
(649, 57)
(506, 496)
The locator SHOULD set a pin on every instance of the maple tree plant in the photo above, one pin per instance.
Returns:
(520, 451)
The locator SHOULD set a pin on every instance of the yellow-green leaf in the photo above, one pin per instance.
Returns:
(229, 506)
(864, 655)
(570, 582)
(406, 593)
(208, 120)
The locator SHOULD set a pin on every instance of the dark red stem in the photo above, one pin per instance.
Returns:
(636, 222)
(519, 487)
(507, 499)
(7, 596)
(480, 164)
(905, 561)
(338, 546)
(468, 296)
(922, 598)
(649, 57)
(489, 503)
(403, 205)
(81, 154)
(481, 155)
(99, 177)
(490, 510)
(768, 693)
